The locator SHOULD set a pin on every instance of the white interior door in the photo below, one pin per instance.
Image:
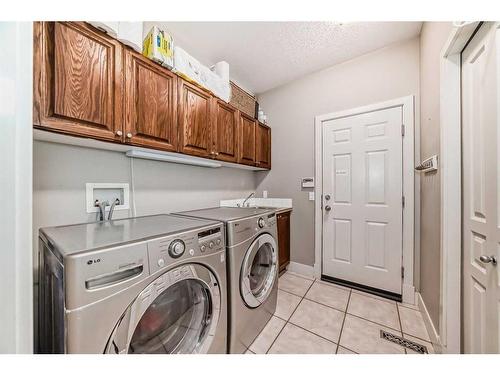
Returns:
(362, 199)
(481, 221)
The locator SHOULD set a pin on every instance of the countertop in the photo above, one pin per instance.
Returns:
(282, 210)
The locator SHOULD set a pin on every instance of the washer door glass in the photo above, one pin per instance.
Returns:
(178, 312)
(176, 321)
(259, 270)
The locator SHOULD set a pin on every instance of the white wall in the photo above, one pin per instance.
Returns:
(432, 39)
(385, 74)
(61, 171)
(16, 293)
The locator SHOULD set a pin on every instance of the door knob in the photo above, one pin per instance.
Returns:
(488, 259)
(328, 208)
(129, 135)
(119, 133)
(327, 197)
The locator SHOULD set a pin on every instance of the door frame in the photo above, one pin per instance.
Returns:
(410, 186)
(449, 336)
(16, 183)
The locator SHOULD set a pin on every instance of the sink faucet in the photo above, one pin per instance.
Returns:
(247, 198)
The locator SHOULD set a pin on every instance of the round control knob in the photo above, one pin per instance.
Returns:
(161, 262)
(203, 248)
(176, 248)
(261, 223)
(211, 244)
(218, 241)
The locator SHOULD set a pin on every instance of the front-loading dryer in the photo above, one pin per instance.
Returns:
(153, 284)
(252, 252)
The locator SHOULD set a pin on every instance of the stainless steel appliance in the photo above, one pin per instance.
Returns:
(152, 284)
(252, 252)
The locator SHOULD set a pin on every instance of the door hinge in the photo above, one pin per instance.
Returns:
(402, 272)
(402, 130)
(403, 201)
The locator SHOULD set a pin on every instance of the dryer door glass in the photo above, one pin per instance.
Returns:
(259, 270)
(176, 322)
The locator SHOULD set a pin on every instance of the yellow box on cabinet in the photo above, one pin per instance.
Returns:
(159, 46)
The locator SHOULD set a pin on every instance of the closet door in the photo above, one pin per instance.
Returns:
(195, 120)
(77, 80)
(247, 140)
(225, 132)
(263, 146)
(151, 104)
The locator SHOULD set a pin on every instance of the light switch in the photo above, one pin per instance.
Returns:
(311, 195)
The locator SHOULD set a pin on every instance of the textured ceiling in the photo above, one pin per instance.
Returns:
(264, 55)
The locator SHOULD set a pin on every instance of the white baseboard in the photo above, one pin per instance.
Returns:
(433, 334)
(301, 269)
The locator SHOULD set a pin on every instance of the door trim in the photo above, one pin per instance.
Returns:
(451, 187)
(410, 186)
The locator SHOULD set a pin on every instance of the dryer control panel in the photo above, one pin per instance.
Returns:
(244, 229)
(168, 250)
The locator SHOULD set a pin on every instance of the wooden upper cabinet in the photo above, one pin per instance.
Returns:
(195, 120)
(225, 132)
(88, 84)
(247, 140)
(77, 80)
(263, 146)
(150, 103)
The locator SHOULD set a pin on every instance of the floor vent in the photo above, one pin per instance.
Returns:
(404, 342)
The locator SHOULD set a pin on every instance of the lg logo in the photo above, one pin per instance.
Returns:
(93, 261)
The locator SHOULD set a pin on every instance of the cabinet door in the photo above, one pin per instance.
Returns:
(195, 122)
(263, 146)
(225, 132)
(284, 240)
(150, 103)
(247, 140)
(77, 80)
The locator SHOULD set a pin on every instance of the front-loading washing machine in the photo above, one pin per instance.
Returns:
(252, 251)
(152, 284)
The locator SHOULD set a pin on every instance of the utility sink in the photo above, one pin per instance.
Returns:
(265, 203)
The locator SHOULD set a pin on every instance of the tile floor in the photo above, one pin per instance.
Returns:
(317, 317)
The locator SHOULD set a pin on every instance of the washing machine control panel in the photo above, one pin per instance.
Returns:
(167, 250)
(211, 240)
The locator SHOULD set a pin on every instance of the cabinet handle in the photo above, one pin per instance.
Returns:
(119, 133)
(129, 135)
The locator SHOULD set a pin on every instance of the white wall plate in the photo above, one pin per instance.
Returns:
(110, 191)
